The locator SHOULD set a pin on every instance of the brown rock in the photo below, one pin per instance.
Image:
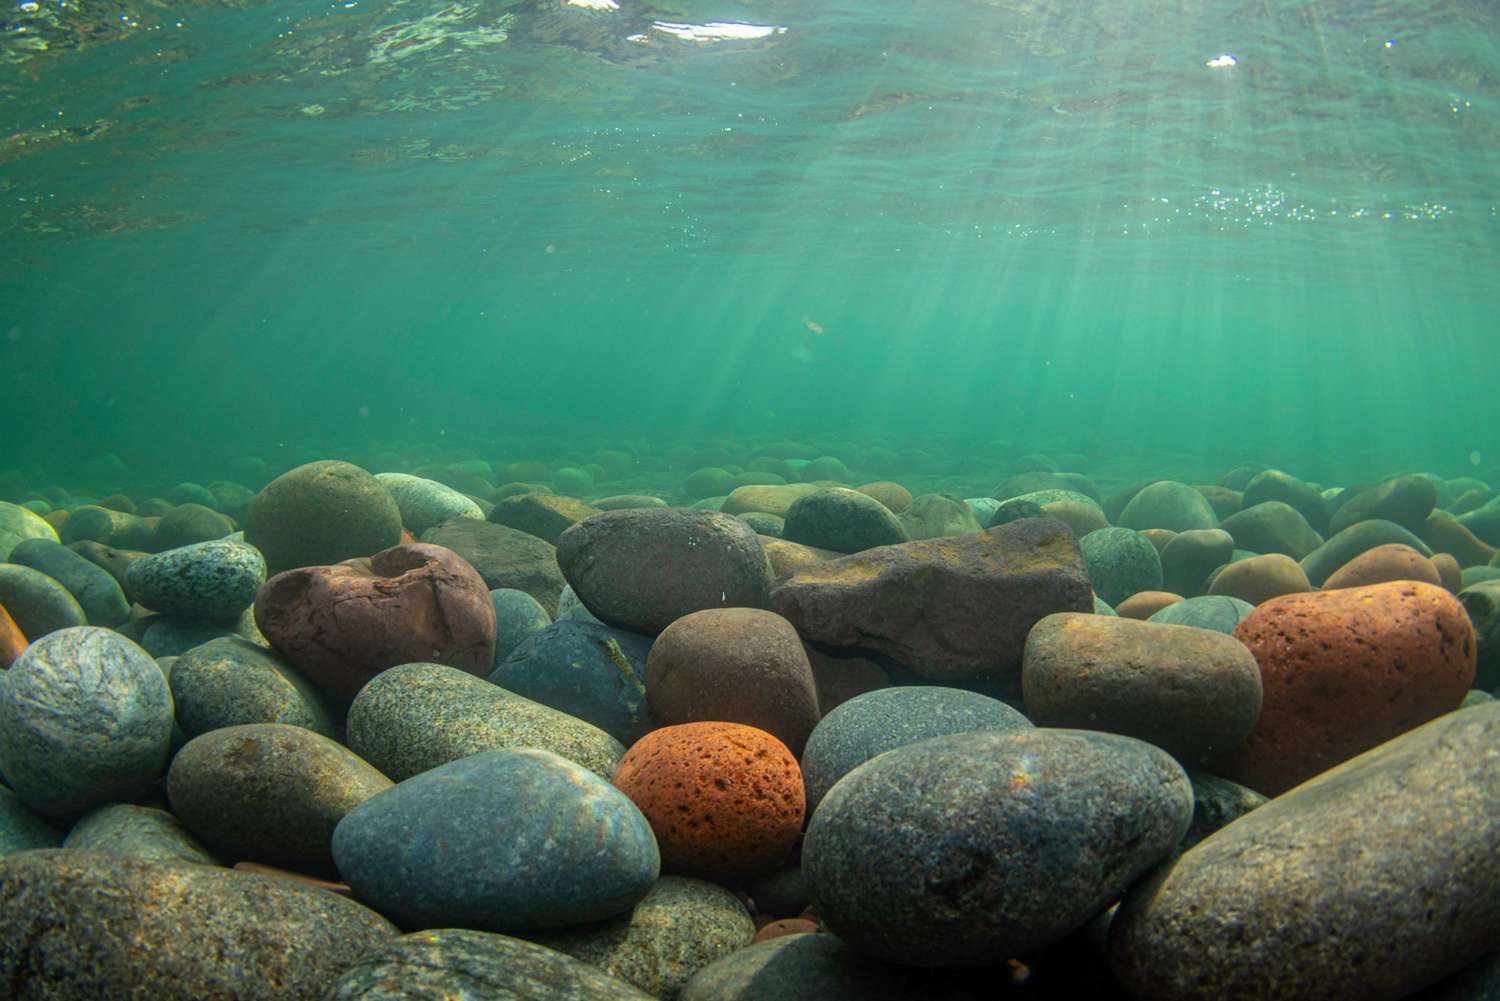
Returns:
(1446, 534)
(789, 557)
(1260, 578)
(1223, 500)
(504, 557)
(1272, 527)
(843, 675)
(1392, 561)
(1080, 517)
(741, 665)
(1161, 537)
(786, 926)
(1144, 604)
(341, 625)
(1449, 572)
(774, 499)
(724, 800)
(1190, 557)
(12, 640)
(115, 561)
(545, 516)
(1345, 670)
(892, 495)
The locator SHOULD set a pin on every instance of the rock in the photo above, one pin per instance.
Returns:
(1405, 500)
(1190, 557)
(984, 508)
(1218, 612)
(783, 892)
(1272, 527)
(172, 635)
(710, 481)
(1168, 504)
(570, 609)
(642, 570)
(786, 926)
(764, 524)
(504, 557)
(344, 624)
(622, 502)
(140, 832)
(214, 581)
(1216, 803)
(545, 516)
(813, 968)
(87, 925)
(1120, 563)
(678, 928)
(1345, 670)
(504, 840)
(1282, 902)
(1272, 485)
(416, 717)
(843, 674)
(268, 792)
(17, 524)
(786, 558)
(880, 721)
(38, 604)
(85, 718)
(725, 801)
(319, 514)
(893, 495)
(933, 516)
(1450, 575)
(740, 665)
(115, 562)
(1444, 534)
(592, 672)
(1057, 823)
(230, 681)
(1384, 563)
(189, 524)
(1482, 602)
(1356, 539)
(1158, 537)
(458, 963)
(111, 528)
(231, 498)
(1259, 579)
(1484, 522)
(1014, 510)
(425, 503)
(97, 593)
(770, 498)
(826, 467)
(1223, 500)
(950, 608)
(1195, 693)
(12, 641)
(517, 616)
(842, 520)
(193, 493)
(21, 829)
(1144, 604)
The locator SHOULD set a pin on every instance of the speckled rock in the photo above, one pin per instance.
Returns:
(86, 925)
(1168, 504)
(1218, 612)
(342, 625)
(1189, 558)
(739, 665)
(725, 801)
(188, 524)
(1058, 824)
(1405, 500)
(85, 718)
(1380, 881)
(517, 616)
(933, 516)
(38, 604)
(545, 516)
(814, 968)
(1272, 527)
(1120, 563)
(1216, 802)
(1357, 538)
(268, 792)
(883, 720)
(21, 829)
(319, 514)
(512, 840)
(1384, 563)
(230, 681)
(141, 832)
(950, 608)
(593, 672)
(1482, 602)
(416, 717)
(1345, 670)
(1260, 578)
(1195, 693)
(677, 929)
(504, 557)
(96, 591)
(18, 524)
(215, 581)
(425, 503)
(642, 570)
(457, 963)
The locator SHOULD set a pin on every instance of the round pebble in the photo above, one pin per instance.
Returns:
(214, 581)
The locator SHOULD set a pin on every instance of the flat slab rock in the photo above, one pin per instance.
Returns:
(949, 608)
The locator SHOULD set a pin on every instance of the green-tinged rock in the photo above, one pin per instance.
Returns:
(18, 524)
(39, 604)
(230, 681)
(319, 514)
(94, 588)
(21, 829)
(142, 832)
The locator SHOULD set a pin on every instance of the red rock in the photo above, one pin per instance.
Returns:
(1260, 578)
(1345, 670)
(1144, 604)
(343, 624)
(1392, 561)
(785, 926)
(725, 801)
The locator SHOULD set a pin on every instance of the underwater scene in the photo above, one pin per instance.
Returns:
(749, 500)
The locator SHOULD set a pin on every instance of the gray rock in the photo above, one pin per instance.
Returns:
(269, 793)
(173, 635)
(84, 925)
(1216, 802)
(1218, 612)
(504, 557)
(321, 513)
(85, 719)
(1368, 881)
(515, 840)
(416, 717)
(594, 673)
(477, 965)
(230, 681)
(142, 832)
(1057, 823)
(96, 591)
(213, 581)
(1170, 505)
(1484, 521)
(570, 609)
(425, 503)
(21, 829)
(1121, 562)
(39, 604)
(841, 520)
(887, 718)
(1482, 601)
(517, 616)
(677, 929)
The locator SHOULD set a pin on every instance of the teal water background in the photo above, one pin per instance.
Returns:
(232, 229)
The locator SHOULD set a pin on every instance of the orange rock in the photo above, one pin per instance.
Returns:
(892, 495)
(1449, 572)
(12, 641)
(786, 926)
(1392, 561)
(1159, 537)
(1260, 578)
(1144, 604)
(724, 800)
(1446, 534)
(1342, 671)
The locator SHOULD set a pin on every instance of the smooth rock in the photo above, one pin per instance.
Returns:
(504, 557)
(517, 616)
(22, 829)
(18, 524)
(96, 591)
(1216, 803)
(774, 499)
(319, 514)
(426, 503)
(38, 603)
(1168, 504)
(111, 528)
(592, 672)
(1218, 612)
(1272, 527)
(893, 495)
(1259, 579)
(545, 516)
(1144, 604)
(1273, 485)
(1392, 561)
(230, 681)
(813, 968)
(1357, 538)
(1482, 602)
(1190, 557)
(141, 832)
(1443, 534)
(841, 520)
(1405, 500)
(1120, 563)
(933, 516)
(187, 525)
(214, 581)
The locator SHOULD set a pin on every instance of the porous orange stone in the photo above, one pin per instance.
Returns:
(1343, 671)
(1392, 561)
(12, 640)
(1144, 604)
(724, 800)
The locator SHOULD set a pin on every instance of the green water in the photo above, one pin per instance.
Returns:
(295, 227)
